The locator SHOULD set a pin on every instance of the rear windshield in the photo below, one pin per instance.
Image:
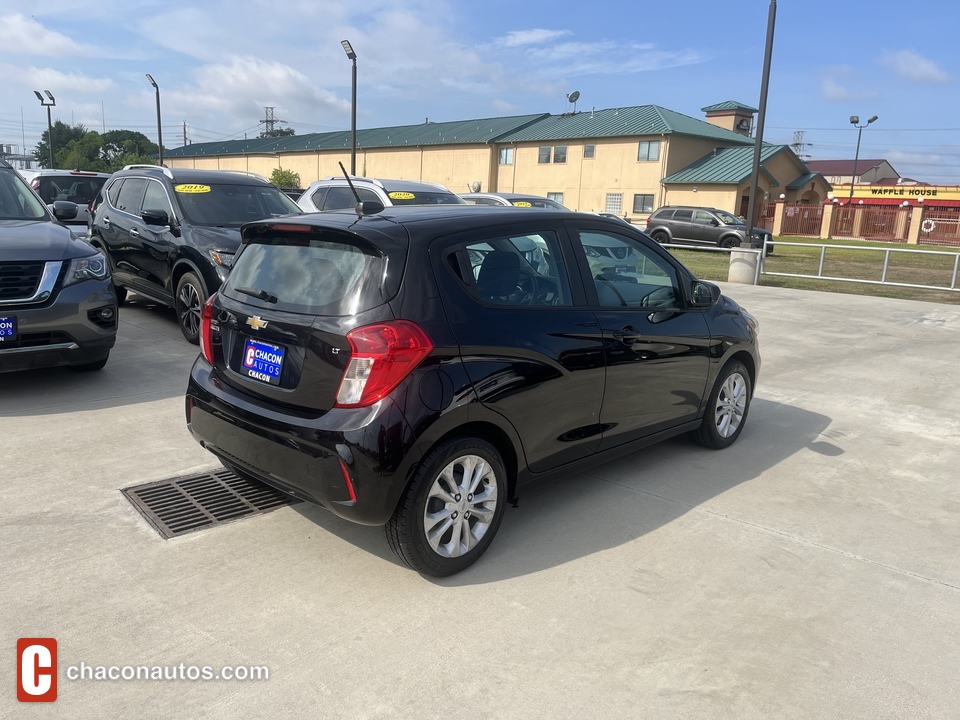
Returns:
(79, 189)
(220, 205)
(314, 276)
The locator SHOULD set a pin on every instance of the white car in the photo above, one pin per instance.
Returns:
(334, 193)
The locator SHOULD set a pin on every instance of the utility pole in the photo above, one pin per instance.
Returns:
(798, 145)
(184, 133)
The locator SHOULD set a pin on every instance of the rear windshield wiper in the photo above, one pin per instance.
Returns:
(262, 294)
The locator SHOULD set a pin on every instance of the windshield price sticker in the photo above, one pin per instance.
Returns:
(522, 203)
(398, 195)
(191, 188)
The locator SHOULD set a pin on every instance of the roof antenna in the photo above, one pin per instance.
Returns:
(370, 207)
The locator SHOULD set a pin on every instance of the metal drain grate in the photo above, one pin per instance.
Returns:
(181, 505)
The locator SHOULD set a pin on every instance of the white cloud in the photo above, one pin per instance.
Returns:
(537, 36)
(913, 67)
(835, 86)
(72, 82)
(20, 35)
(900, 157)
(504, 107)
(244, 85)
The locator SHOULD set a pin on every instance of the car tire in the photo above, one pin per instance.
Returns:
(729, 243)
(92, 366)
(191, 295)
(463, 524)
(660, 236)
(727, 408)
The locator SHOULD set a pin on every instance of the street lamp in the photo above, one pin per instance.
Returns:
(159, 131)
(351, 55)
(854, 120)
(48, 105)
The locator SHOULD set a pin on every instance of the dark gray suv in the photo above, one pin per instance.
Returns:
(702, 226)
(57, 303)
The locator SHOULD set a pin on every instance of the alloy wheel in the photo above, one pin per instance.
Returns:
(189, 301)
(731, 405)
(460, 506)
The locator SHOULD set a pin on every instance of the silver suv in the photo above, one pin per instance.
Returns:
(702, 226)
(76, 186)
(334, 193)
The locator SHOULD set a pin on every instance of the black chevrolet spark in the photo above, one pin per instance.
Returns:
(412, 367)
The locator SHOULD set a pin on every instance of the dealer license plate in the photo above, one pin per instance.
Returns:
(263, 361)
(8, 328)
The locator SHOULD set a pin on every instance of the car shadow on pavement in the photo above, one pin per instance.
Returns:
(571, 516)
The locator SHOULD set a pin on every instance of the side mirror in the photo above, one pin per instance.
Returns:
(714, 222)
(155, 217)
(704, 294)
(63, 209)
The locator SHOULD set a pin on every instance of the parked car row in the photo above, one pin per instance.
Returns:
(404, 360)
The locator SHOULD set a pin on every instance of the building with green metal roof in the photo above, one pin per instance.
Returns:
(627, 160)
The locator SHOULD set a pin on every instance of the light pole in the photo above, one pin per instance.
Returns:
(159, 131)
(854, 120)
(348, 49)
(48, 105)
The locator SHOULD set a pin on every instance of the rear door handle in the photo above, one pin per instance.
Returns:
(106, 220)
(134, 232)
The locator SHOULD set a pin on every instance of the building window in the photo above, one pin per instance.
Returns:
(588, 151)
(649, 150)
(544, 155)
(614, 203)
(643, 203)
(560, 154)
(506, 156)
(556, 197)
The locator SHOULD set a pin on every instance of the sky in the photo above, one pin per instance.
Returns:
(219, 63)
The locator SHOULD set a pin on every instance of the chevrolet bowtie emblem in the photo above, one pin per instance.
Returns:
(256, 323)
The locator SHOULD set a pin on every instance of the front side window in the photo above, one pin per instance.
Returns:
(649, 151)
(514, 270)
(628, 274)
(156, 198)
(506, 156)
(704, 218)
(560, 154)
(614, 203)
(544, 154)
(643, 203)
(130, 195)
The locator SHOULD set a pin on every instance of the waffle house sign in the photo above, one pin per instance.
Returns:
(928, 193)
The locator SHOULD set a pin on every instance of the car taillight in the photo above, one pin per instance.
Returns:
(382, 356)
(206, 329)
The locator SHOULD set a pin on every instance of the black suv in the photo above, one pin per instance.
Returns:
(170, 234)
(412, 367)
(702, 226)
(57, 304)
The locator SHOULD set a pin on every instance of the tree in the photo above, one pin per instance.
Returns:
(278, 132)
(62, 135)
(285, 178)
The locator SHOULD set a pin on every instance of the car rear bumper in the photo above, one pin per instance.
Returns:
(62, 331)
(305, 456)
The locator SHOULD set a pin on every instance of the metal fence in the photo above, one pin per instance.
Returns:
(886, 265)
(940, 226)
(802, 219)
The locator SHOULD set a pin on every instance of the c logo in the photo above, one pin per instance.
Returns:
(36, 669)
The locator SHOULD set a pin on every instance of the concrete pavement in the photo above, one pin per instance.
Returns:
(811, 570)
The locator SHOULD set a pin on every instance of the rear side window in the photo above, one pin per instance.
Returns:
(312, 276)
(518, 270)
(686, 215)
(113, 192)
